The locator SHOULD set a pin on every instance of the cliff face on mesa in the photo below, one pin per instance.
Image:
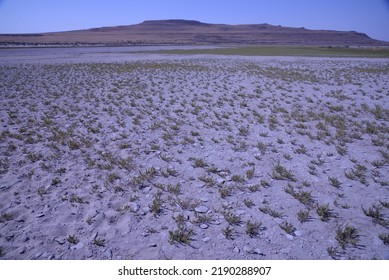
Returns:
(194, 32)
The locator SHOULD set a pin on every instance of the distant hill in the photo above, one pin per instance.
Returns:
(189, 32)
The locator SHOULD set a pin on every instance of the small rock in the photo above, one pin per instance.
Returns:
(285, 251)
(204, 226)
(9, 237)
(59, 241)
(152, 245)
(240, 212)
(206, 239)
(278, 220)
(204, 199)
(289, 237)
(134, 207)
(220, 181)
(298, 233)
(108, 253)
(201, 209)
(145, 210)
(37, 255)
(248, 249)
(20, 220)
(40, 215)
(45, 255)
(145, 189)
(257, 251)
(236, 250)
(78, 246)
(22, 250)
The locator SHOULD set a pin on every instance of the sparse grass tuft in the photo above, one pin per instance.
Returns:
(358, 173)
(181, 235)
(385, 204)
(324, 212)
(199, 163)
(6, 217)
(262, 147)
(231, 218)
(99, 242)
(253, 228)
(248, 202)
(303, 216)
(208, 180)
(156, 205)
(348, 235)
(385, 238)
(224, 192)
(250, 173)
(72, 239)
(375, 212)
(271, 212)
(187, 203)
(42, 191)
(237, 178)
(228, 232)
(253, 188)
(202, 218)
(76, 199)
(244, 131)
(287, 227)
(265, 183)
(334, 182)
(55, 181)
(303, 197)
(112, 177)
(333, 252)
(281, 173)
(174, 189)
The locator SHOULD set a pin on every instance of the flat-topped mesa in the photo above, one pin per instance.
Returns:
(173, 22)
(193, 32)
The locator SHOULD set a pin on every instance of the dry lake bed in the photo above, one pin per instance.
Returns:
(110, 154)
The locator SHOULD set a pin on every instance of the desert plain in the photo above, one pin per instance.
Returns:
(110, 154)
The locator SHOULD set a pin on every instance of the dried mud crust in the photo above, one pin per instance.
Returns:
(195, 158)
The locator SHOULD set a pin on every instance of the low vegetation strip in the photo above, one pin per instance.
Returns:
(288, 51)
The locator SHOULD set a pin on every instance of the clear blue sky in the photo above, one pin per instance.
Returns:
(26, 16)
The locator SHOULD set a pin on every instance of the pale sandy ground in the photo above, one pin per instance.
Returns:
(129, 156)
